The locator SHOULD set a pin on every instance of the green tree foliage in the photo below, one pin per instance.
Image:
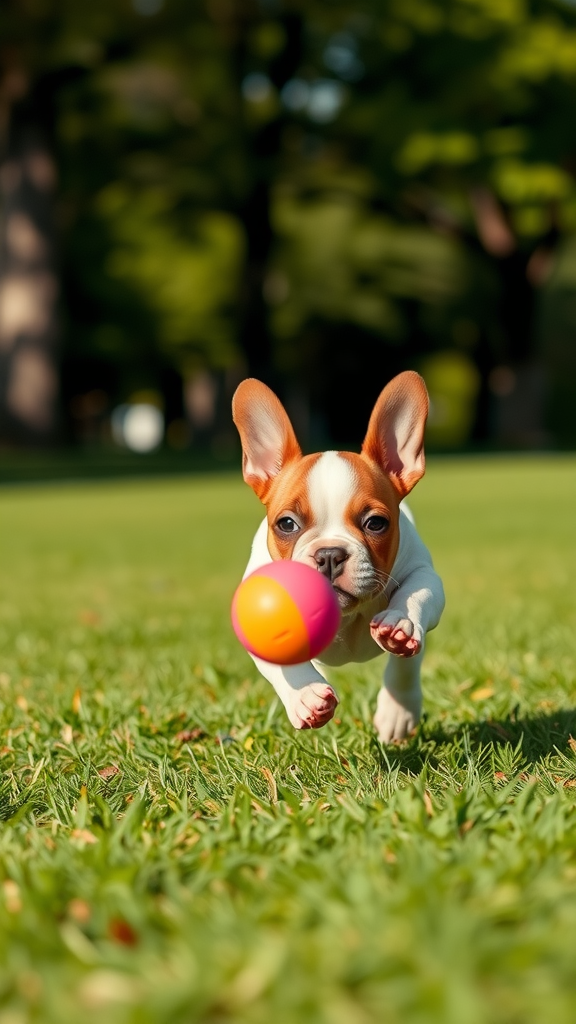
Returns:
(280, 186)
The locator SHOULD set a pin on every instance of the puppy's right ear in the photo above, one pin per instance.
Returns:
(268, 439)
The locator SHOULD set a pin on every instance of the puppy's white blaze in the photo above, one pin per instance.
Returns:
(331, 486)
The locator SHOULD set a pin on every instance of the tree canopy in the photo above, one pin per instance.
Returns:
(306, 191)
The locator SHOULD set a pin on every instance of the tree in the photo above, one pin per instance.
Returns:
(462, 115)
(270, 189)
(28, 273)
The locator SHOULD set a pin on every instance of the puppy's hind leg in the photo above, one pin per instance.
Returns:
(400, 699)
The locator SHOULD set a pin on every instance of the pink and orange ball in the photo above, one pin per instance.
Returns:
(285, 612)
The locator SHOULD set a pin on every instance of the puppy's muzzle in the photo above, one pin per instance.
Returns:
(330, 562)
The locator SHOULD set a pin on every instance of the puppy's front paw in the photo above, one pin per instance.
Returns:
(396, 717)
(312, 706)
(397, 635)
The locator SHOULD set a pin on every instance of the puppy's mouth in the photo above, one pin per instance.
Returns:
(346, 600)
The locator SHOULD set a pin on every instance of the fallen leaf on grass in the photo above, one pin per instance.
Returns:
(566, 783)
(272, 788)
(428, 804)
(465, 826)
(83, 835)
(79, 910)
(102, 988)
(483, 693)
(184, 839)
(572, 743)
(12, 896)
(189, 735)
(120, 931)
(88, 617)
(465, 685)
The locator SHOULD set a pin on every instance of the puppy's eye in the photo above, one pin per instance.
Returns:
(287, 525)
(376, 524)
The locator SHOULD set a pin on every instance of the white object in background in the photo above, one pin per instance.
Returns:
(139, 427)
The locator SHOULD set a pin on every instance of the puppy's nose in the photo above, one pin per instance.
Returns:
(330, 562)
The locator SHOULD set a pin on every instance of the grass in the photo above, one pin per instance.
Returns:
(171, 851)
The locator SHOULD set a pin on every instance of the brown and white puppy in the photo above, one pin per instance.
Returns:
(341, 513)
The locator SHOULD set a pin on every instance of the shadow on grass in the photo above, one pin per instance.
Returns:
(537, 735)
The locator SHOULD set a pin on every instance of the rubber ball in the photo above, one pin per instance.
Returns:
(285, 612)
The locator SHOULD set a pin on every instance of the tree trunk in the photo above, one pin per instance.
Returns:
(254, 333)
(512, 397)
(28, 282)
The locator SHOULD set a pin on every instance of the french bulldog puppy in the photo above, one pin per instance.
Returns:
(342, 514)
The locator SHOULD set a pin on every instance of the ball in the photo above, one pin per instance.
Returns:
(285, 612)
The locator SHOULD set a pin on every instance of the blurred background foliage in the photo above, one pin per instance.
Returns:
(316, 193)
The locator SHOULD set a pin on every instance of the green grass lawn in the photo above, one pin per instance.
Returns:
(172, 851)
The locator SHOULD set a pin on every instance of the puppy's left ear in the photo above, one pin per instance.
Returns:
(395, 436)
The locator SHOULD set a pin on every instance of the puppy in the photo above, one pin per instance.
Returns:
(341, 513)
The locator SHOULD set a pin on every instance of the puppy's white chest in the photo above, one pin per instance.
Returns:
(354, 642)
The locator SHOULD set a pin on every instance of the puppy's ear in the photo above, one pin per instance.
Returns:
(395, 436)
(268, 439)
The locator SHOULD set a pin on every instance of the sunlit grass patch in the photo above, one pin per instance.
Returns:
(171, 850)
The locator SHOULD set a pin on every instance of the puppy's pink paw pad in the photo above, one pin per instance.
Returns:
(396, 637)
(312, 707)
